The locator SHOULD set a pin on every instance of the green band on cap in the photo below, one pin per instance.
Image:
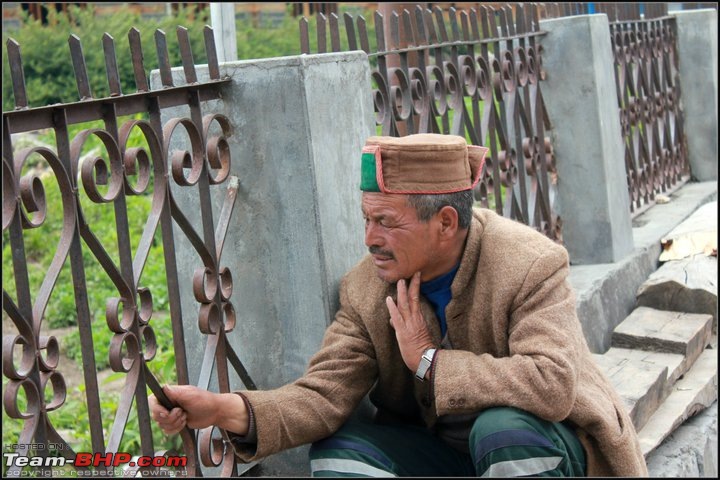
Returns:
(368, 174)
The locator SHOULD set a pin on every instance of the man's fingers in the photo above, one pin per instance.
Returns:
(392, 308)
(173, 421)
(414, 293)
(169, 421)
(157, 411)
(402, 298)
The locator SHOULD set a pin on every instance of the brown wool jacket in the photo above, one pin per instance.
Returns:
(516, 341)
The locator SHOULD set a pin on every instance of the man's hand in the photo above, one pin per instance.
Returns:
(406, 318)
(198, 408)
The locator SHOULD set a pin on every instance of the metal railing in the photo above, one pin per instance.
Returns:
(35, 385)
(477, 76)
(648, 93)
(648, 90)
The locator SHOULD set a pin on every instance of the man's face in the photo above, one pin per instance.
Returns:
(400, 244)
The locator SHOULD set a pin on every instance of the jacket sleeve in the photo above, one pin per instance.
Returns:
(544, 339)
(318, 403)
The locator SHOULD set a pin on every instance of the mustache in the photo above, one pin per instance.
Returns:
(375, 250)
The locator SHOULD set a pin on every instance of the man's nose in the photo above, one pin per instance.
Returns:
(372, 236)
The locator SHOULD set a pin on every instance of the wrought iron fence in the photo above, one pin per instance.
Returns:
(648, 94)
(123, 170)
(477, 76)
(648, 90)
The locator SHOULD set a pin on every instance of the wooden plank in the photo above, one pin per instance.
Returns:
(640, 385)
(693, 393)
(662, 331)
(674, 362)
(687, 285)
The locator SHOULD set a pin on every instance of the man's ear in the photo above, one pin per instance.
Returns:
(449, 221)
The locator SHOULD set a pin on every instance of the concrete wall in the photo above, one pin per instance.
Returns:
(698, 68)
(581, 102)
(299, 126)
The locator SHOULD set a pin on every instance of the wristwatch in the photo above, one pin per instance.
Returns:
(425, 363)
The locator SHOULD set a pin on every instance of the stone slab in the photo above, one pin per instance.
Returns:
(693, 393)
(663, 331)
(640, 385)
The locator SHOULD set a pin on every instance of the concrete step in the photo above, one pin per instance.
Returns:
(692, 393)
(649, 329)
(642, 379)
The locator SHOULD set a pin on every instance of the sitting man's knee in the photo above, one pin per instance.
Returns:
(507, 441)
(347, 453)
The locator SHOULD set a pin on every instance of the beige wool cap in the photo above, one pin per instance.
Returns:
(423, 163)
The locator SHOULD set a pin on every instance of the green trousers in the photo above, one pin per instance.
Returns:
(504, 442)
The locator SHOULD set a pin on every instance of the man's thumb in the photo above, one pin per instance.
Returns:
(171, 393)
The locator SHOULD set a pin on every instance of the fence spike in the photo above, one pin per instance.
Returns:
(141, 81)
(380, 32)
(474, 26)
(484, 21)
(503, 22)
(304, 36)
(350, 31)
(535, 17)
(186, 55)
(163, 58)
(362, 32)
(420, 25)
(111, 67)
(441, 24)
(211, 51)
(493, 28)
(520, 26)
(452, 14)
(465, 25)
(432, 33)
(321, 33)
(334, 33)
(17, 74)
(410, 36)
(394, 30)
(78, 60)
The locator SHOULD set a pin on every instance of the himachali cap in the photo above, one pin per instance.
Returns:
(424, 163)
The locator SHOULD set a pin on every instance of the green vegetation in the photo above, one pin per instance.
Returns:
(41, 248)
(51, 79)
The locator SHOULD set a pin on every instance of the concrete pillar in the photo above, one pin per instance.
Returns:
(299, 126)
(698, 68)
(580, 97)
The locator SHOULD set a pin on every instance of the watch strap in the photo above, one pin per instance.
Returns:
(425, 363)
